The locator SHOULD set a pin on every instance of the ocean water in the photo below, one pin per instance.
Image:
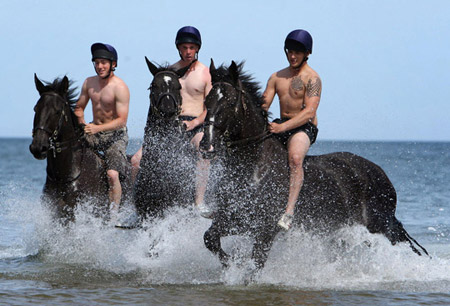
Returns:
(92, 263)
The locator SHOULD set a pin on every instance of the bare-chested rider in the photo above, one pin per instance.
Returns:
(298, 88)
(195, 86)
(110, 103)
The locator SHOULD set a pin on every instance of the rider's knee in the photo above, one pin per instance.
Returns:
(113, 175)
(135, 161)
(296, 160)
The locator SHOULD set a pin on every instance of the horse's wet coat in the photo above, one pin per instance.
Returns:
(166, 172)
(339, 188)
(75, 174)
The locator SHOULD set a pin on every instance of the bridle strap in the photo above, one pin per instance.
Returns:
(245, 141)
(54, 145)
(155, 110)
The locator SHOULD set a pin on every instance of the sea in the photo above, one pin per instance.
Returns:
(89, 262)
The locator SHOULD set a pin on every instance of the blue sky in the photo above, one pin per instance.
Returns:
(385, 65)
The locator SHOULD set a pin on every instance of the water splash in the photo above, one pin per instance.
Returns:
(170, 250)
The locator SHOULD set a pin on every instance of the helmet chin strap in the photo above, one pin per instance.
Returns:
(111, 69)
(196, 55)
(305, 58)
(303, 61)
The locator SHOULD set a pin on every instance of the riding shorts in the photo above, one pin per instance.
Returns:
(112, 146)
(309, 129)
(190, 134)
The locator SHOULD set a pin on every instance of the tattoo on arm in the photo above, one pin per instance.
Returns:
(314, 88)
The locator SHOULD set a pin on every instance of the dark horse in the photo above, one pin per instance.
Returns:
(74, 172)
(339, 188)
(166, 172)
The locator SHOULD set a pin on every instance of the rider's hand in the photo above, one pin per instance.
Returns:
(190, 125)
(91, 129)
(275, 128)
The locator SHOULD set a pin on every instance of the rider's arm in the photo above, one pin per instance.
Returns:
(81, 103)
(269, 93)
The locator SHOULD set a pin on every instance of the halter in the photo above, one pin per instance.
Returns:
(55, 145)
(155, 110)
(245, 141)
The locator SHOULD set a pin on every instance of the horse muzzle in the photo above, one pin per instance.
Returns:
(38, 152)
(40, 145)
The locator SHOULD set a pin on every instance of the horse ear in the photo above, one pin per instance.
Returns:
(39, 85)
(64, 86)
(153, 69)
(212, 70)
(233, 71)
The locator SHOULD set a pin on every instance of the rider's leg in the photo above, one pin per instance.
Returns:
(298, 146)
(201, 179)
(115, 190)
(135, 164)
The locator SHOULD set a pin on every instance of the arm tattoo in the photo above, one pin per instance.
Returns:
(297, 83)
(314, 88)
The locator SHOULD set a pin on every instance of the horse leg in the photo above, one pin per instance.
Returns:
(261, 249)
(212, 242)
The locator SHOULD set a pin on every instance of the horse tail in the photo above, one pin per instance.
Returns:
(399, 234)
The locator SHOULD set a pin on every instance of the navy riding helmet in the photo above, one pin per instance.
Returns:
(299, 40)
(105, 51)
(188, 34)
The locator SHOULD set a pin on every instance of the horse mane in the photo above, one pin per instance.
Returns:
(252, 88)
(165, 67)
(71, 95)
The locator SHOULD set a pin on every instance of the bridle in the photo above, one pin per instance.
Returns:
(55, 145)
(226, 133)
(155, 110)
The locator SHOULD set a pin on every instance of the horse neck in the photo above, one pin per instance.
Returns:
(248, 146)
(253, 124)
(64, 161)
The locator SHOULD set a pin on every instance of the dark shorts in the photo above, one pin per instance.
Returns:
(197, 129)
(309, 129)
(112, 145)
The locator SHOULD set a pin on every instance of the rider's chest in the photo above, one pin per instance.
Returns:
(103, 96)
(192, 84)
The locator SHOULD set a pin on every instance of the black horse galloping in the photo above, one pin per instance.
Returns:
(166, 175)
(74, 172)
(339, 188)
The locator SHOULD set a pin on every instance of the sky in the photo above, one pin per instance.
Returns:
(384, 64)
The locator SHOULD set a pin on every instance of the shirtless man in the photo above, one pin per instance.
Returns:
(298, 88)
(195, 86)
(110, 103)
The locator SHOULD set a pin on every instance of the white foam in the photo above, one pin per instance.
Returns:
(171, 251)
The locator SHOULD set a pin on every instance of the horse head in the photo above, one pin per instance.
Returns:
(52, 112)
(233, 109)
(165, 96)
